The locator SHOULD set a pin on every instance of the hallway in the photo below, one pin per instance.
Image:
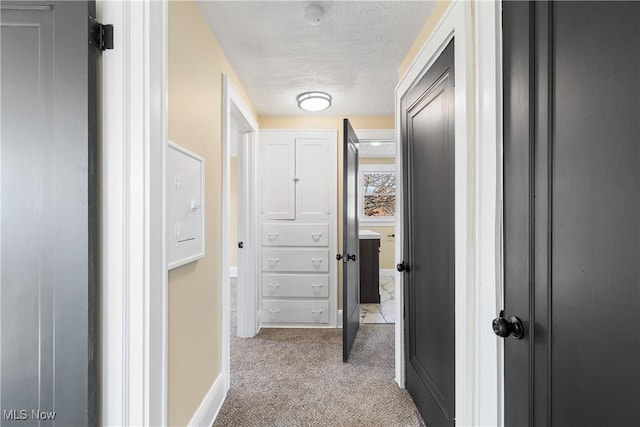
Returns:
(294, 377)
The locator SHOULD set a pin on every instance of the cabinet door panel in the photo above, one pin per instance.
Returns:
(278, 173)
(313, 177)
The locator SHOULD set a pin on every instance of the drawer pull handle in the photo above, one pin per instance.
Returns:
(316, 260)
(316, 236)
(274, 285)
(273, 236)
(316, 285)
(273, 261)
(316, 311)
(274, 310)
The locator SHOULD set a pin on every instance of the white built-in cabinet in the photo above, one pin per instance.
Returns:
(298, 218)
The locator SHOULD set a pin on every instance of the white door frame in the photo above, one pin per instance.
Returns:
(456, 23)
(489, 350)
(478, 201)
(248, 320)
(246, 274)
(132, 197)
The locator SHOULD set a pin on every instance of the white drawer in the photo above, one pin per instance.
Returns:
(276, 311)
(299, 259)
(295, 285)
(295, 235)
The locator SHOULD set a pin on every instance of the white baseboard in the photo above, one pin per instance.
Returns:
(233, 271)
(210, 405)
(387, 272)
(339, 319)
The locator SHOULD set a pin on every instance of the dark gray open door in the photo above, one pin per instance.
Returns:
(48, 195)
(350, 246)
(572, 213)
(429, 306)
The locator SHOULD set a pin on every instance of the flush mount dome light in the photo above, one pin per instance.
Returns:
(314, 101)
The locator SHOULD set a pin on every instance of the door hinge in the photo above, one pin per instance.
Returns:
(100, 35)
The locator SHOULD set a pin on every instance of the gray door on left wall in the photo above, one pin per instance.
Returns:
(48, 194)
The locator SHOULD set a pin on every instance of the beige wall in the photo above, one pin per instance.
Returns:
(329, 122)
(424, 34)
(387, 244)
(195, 311)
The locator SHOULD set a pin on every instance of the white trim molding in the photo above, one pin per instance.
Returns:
(456, 23)
(489, 385)
(210, 406)
(133, 269)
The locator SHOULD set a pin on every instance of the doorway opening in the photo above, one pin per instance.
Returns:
(457, 22)
(241, 241)
(239, 223)
(377, 200)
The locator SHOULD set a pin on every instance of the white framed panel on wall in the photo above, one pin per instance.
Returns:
(185, 206)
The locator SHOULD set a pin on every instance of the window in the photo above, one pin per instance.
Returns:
(377, 193)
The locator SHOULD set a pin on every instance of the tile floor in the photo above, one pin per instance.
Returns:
(385, 311)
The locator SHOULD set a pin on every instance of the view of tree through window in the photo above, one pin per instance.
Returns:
(379, 194)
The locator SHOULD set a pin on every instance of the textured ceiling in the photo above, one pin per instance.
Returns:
(353, 54)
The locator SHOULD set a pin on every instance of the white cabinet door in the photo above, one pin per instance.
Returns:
(278, 173)
(314, 173)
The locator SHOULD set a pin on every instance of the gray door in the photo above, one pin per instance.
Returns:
(428, 156)
(350, 246)
(572, 213)
(47, 215)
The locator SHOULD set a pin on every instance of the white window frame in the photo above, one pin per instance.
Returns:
(373, 168)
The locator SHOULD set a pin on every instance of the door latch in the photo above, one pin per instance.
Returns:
(403, 266)
(507, 327)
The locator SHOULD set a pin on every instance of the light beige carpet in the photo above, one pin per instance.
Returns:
(295, 377)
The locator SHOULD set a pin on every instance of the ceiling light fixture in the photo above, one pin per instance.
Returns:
(314, 101)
